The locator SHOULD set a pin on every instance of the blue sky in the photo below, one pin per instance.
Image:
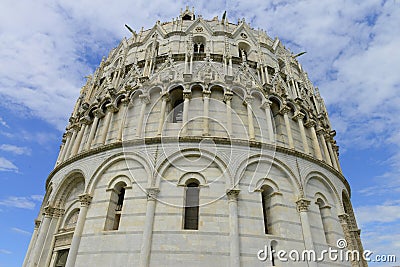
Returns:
(353, 56)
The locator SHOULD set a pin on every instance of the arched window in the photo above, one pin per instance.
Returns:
(72, 219)
(266, 205)
(324, 213)
(176, 97)
(62, 256)
(198, 48)
(115, 208)
(187, 17)
(118, 209)
(178, 110)
(191, 216)
(243, 51)
(199, 44)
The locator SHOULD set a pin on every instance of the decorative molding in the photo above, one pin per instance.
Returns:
(152, 193)
(232, 194)
(85, 199)
(302, 204)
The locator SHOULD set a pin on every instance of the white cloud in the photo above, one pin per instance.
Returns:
(18, 150)
(20, 231)
(4, 251)
(382, 213)
(21, 202)
(6, 165)
(4, 123)
(38, 198)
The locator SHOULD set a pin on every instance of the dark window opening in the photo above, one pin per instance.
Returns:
(265, 211)
(62, 256)
(198, 48)
(118, 209)
(117, 219)
(187, 17)
(178, 110)
(120, 202)
(191, 221)
(243, 54)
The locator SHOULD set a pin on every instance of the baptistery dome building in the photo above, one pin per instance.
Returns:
(197, 142)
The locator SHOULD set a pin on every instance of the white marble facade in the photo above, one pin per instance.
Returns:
(205, 102)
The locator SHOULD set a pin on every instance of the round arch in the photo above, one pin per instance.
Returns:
(258, 158)
(123, 156)
(170, 159)
(70, 180)
(327, 182)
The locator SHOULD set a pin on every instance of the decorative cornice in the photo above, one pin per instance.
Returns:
(302, 204)
(112, 108)
(152, 193)
(206, 93)
(310, 123)
(284, 110)
(187, 94)
(266, 104)
(228, 96)
(85, 199)
(53, 212)
(144, 98)
(343, 218)
(232, 194)
(99, 113)
(217, 140)
(299, 115)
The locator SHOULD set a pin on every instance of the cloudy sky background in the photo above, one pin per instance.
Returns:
(353, 56)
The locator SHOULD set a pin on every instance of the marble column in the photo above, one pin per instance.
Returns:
(266, 75)
(85, 200)
(230, 68)
(317, 150)
(191, 64)
(186, 96)
(98, 115)
(268, 115)
(145, 248)
(302, 208)
(31, 243)
(233, 195)
(262, 74)
(186, 63)
(248, 101)
(111, 108)
(68, 135)
(78, 139)
(51, 239)
(228, 98)
(122, 117)
(321, 132)
(43, 231)
(206, 106)
(161, 121)
(75, 130)
(144, 99)
(336, 150)
(284, 111)
(328, 139)
(87, 122)
(299, 117)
